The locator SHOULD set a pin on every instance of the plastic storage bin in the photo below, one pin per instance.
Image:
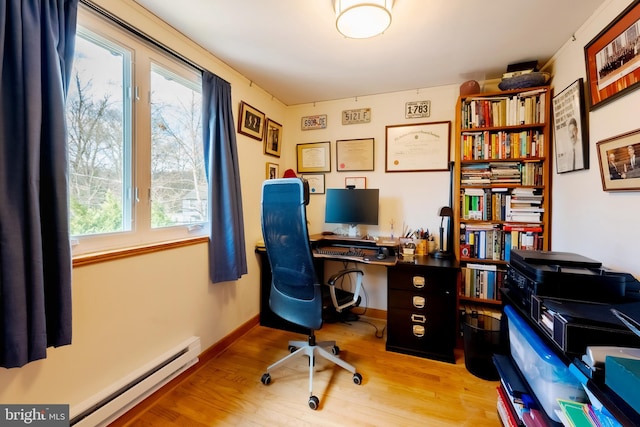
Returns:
(548, 377)
(481, 341)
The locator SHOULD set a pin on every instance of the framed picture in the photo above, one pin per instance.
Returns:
(273, 138)
(619, 158)
(314, 157)
(316, 182)
(612, 58)
(418, 147)
(570, 129)
(251, 121)
(354, 155)
(273, 171)
(355, 181)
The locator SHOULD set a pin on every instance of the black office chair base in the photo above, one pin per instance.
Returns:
(325, 349)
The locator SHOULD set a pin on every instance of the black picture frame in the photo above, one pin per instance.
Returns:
(570, 129)
(609, 59)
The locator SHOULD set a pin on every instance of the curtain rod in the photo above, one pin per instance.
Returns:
(137, 32)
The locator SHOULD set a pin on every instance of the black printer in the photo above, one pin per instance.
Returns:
(570, 298)
(566, 275)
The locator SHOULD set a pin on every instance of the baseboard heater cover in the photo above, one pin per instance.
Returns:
(109, 404)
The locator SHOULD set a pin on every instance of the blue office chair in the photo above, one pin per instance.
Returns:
(296, 293)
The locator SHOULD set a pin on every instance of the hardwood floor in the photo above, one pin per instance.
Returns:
(397, 389)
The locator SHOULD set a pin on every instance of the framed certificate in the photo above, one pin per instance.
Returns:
(418, 147)
(314, 157)
(354, 155)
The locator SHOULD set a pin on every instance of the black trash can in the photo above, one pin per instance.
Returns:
(481, 341)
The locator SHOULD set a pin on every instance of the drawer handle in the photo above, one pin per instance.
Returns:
(419, 302)
(419, 318)
(418, 282)
(418, 331)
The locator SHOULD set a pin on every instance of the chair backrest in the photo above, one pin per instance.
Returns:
(296, 294)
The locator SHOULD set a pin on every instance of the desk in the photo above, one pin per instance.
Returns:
(421, 298)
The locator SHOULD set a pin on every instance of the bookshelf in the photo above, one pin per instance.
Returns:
(502, 187)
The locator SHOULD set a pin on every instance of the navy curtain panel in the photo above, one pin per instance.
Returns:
(227, 254)
(36, 43)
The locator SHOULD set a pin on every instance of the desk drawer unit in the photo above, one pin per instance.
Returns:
(421, 307)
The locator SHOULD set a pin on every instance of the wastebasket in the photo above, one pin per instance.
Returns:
(481, 341)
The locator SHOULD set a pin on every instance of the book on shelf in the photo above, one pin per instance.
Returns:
(482, 281)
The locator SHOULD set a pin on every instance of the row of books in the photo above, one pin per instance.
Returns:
(482, 281)
(497, 173)
(488, 145)
(495, 241)
(520, 109)
(501, 204)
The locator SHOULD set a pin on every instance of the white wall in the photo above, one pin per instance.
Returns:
(410, 198)
(587, 220)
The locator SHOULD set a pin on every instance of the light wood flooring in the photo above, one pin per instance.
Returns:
(397, 389)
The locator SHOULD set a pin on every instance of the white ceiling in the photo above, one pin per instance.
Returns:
(292, 49)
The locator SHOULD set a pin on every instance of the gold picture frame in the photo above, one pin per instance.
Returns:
(314, 157)
(273, 138)
(272, 171)
(251, 121)
(619, 169)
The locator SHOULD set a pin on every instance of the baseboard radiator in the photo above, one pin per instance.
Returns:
(106, 406)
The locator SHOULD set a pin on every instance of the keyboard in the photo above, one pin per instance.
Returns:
(353, 252)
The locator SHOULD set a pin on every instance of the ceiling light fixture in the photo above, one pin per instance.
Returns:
(361, 19)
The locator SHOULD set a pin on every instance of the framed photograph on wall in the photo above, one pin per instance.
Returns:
(619, 159)
(251, 121)
(354, 154)
(314, 157)
(570, 129)
(418, 147)
(273, 171)
(316, 182)
(273, 138)
(612, 58)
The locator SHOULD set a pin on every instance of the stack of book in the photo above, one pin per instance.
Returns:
(476, 174)
(505, 173)
(523, 205)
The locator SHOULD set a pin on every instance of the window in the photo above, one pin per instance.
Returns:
(136, 163)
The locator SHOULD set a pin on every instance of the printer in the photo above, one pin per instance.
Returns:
(571, 298)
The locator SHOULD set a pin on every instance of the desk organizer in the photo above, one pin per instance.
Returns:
(548, 377)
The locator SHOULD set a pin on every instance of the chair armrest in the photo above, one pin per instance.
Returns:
(339, 274)
(356, 293)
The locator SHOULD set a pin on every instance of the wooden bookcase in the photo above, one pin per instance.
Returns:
(502, 172)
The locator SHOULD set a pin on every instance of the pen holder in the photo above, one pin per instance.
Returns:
(421, 246)
(432, 247)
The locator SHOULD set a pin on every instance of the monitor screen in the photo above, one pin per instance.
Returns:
(352, 206)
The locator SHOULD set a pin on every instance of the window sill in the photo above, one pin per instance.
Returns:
(94, 258)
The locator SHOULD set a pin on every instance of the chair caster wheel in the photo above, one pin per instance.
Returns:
(292, 348)
(314, 402)
(335, 350)
(266, 379)
(357, 378)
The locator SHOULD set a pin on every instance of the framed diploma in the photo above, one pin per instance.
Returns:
(418, 147)
(314, 157)
(354, 155)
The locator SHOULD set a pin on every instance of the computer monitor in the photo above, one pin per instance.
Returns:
(352, 206)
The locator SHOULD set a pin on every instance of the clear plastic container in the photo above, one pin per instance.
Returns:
(548, 377)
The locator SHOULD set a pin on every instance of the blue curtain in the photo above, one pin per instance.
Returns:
(36, 43)
(227, 254)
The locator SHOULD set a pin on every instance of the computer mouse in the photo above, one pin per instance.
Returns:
(381, 256)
